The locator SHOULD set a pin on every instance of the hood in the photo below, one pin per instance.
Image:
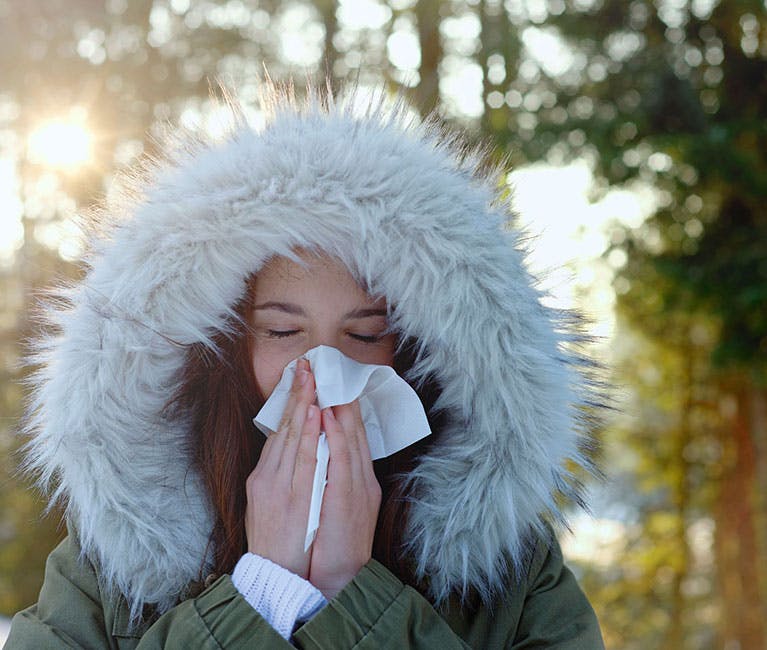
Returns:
(418, 217)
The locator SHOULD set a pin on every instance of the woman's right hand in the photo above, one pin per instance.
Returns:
(279, 489)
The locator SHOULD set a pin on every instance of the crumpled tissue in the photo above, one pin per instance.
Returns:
(393, 416)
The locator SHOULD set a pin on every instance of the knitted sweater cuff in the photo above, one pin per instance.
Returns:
(278, 595)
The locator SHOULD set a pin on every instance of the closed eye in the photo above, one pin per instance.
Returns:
(366, 338)
(281, 334)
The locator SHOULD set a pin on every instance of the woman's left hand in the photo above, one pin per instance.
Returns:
(344, 542)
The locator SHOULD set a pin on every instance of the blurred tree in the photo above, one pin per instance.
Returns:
(25, 538)
(327, 9)
(673, 96)
(428, 17)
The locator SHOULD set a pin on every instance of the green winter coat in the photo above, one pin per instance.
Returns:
(375, 610)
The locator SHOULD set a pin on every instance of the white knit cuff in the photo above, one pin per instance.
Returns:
(279, 595)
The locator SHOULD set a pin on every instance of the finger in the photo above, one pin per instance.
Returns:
(294, 432)
(300, 378)
(366, 470)
(305, 460)
(273, 450)
(339, 469)
(362, 437)
(353, 429)
(265, 455)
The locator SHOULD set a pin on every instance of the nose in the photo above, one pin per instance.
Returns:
(331, 338)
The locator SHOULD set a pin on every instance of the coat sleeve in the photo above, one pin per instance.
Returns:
(377, 611)
(71, 613)
(556, 613)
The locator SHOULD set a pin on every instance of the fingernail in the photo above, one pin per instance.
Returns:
(303, 377)
(311, 412)
(329, 413)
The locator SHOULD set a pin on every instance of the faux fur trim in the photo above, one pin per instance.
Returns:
(418, 217)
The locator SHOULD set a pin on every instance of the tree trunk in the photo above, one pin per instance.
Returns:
(676, 632)
(758, 416)
(427, 93)
(739, 562)
(327, 9)
(495, 37)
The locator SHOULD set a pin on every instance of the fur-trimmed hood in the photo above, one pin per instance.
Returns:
(417, 217)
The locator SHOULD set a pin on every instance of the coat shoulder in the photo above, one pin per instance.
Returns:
(541, 603)
(73, 601)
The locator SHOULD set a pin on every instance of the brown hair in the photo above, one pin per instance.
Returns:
(219, 392)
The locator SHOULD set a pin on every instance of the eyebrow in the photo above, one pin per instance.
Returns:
(364, 313)
(297, 310)
(287, 307)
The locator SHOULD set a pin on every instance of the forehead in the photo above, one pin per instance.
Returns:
(316, 275)
(285, 269)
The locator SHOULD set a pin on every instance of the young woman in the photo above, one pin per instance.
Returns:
(219, 266)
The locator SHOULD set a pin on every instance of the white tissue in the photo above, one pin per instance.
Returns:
(391, 411)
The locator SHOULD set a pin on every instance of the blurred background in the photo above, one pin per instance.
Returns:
(637, 135)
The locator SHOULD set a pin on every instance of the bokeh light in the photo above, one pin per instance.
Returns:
(64, 143)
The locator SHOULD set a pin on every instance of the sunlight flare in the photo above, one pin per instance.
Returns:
(60, 143)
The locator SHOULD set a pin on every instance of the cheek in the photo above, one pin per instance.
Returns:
(381, 354)
(383, 357)
(268, 364)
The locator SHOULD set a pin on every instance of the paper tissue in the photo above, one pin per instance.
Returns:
(391, 411)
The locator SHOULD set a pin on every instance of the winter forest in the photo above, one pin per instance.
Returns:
(636, 131)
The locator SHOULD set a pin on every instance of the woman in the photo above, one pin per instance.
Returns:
(223, 264)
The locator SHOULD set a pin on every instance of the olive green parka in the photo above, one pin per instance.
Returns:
(375, 610)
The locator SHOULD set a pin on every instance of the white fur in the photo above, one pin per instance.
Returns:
(416, 221)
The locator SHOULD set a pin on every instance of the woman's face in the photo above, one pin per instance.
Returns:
(297, 308)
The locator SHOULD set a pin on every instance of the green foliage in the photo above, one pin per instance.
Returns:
(27, 534)
(673, 96)
(26, 537)
(678, 100)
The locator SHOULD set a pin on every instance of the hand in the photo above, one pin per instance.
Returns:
(279, 489)
(344, 541)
